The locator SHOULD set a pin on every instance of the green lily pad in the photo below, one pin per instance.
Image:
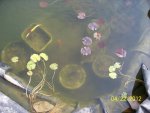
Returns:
(113, 75)
(53, 66)
(102, 63)
(15, 59)
(31, 65)
(44, 56)
(16, 55)
(35, 58)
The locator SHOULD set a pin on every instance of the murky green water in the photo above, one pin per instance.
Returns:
(121, 25)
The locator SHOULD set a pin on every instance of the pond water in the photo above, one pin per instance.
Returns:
(112, 30)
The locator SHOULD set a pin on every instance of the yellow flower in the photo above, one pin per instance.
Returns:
(112, 69)
(113, 75)
(53, 66)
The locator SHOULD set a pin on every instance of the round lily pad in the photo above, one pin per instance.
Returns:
(101, 65)
(72, 76)
(18, 52)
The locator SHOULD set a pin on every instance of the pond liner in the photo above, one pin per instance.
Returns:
(9, 106)
(145, 105)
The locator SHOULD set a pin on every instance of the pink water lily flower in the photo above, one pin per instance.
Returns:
(81, 15)
(43, 4)
(120, 52)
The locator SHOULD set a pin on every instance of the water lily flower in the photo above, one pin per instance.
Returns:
(43, 4)
(35, 58)
(85, 51)
(44, 56)
(117, 65)
(112, 69)
(81, 15)
(93, 26)
(53, 66)
(120, 52)
(15, 59)
(87, 41)
(113, 75)
(97, 35)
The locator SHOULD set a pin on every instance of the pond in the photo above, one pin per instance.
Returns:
(86, 44)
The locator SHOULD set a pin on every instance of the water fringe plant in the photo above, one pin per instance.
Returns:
(31, 65)
(115, 69)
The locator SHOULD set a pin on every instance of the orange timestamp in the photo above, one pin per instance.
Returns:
(122, 98)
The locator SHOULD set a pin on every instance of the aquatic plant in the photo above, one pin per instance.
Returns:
(101, 64)
(15, 59)
(31, 65)
(97, 35)
(54, 67)
(93, 26)
(86, 41)
(115, 71)
(81, 15)
(112, 70)
(72, 76)
(44, 56)
(35, 61)
(16, 55)
(35, 58)
(85, 51)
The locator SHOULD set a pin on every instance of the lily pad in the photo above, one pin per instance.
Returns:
(15, 59)
(31, 65)
(113, 75)
(53, 66)
(16, 52)
(102, 63)
(112, 69)
(35, 58)
(72, 76)
(44, 56)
